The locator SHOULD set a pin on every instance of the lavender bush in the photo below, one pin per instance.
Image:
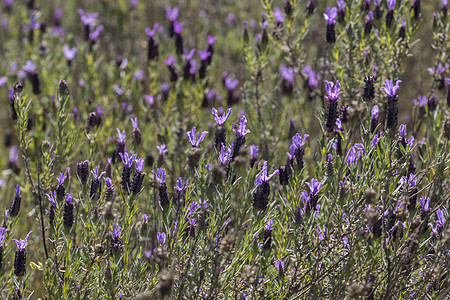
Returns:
(212, 150)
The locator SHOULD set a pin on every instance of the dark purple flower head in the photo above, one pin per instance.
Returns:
(88, 19)
(242, 129)
(263, 177)
(177, 27)
(411, 180)
(21, 244)
(389, 88)
(231, 84)
(188, 55)
(108, 182)
(93, 36)
(69, 53)
(52, 197)
(225, 154)
(424, 203)
(170, 61)
(127, 160)
(195, 138)
(402, 130)
(162, 149)
(391, 4)
(314, 187)
(254, 151)
(268, 226)
(17, 190)
(298, 141)
(369, 16)
(375, 111)
(332, 90)
(441, 218)
(161, 236)
(204, 54)
(330, 15)
(3, 232)
(211, 40)
(288, 74)
(220, 120)
(160, 175)
(96, 174)
(69, 198)
(180, 186)
(139, 165)
(172, 13)
(279, 16)
(122, 136)
(116, 230)
(151, 32)
(341, 4)
(61, 178)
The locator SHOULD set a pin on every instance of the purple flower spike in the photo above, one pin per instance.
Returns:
(268, 226)
(402, 130)
(151, 32)
(441, 218)
(330, 15)
(204, 54)
(211, 40)
(116, 230)
(298, 141)
(122, 136)
(3, 232)
(411, 180)
(127, 160)
(61, 178)
(161, 236)
(242, 129)
(52, 197)
(17, 190)
(314, 187)
(88, 19)
(170, 60)
(180, 185)
(160, 175)
(374, 141)
(389, 88)
(391, 4)
(196, 139)
(225, 154)
(279, 264)
(263, 177)
(69, 53)
(288, 74)
(332, 90)
(254, 151)
(172, 13)
(69, 198)
(94, 35)
(108, 182)
(139, 165)
(177, 27)
(96, 174)
(279, 16)
(341, 4)
(223, 118)
(162, 149)
(21, 244)
(424, 203)
(231, 84)
(189, 55)
(375, 111)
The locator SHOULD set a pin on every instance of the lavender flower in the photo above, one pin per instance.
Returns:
(127, 161)
(83, 171)
(161, 236)
(253, 155)
(354, 153)
(116, 243)
(288, 75)
(161, 153)
(314, 188)
(20, 256)
(374, 121)
(298, 142)
(333, 97)
(279, 16)
(374, 141)
(392, 103)
(368, 24)
(52, 198)
(330, 17)
(68, 212)
(95, 183)
(390, 14)
(225, 154)
(3, 232)
(178, 29)
(267, 239)
(120, 146)
(69, 54)
(210, 49)
(232, 96)
(109, 189)
(152, 45)
(138, 176)
(163, 196)
(242, 129)
(341, 10)
(262, 192)
(137, 135)
(195, 138)
(169, 63)
(15, 205)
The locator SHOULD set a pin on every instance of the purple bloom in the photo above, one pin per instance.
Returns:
(254, 151)
(298, 141)
(139, 165)
(330, 15)
(116, 230)
(52, 197)
(279, 16)
(151, 32)
(180, 186)
(134, 123)
(223, 118)
(118, 89)
(69, 53)
(341, 4)
(391, 4)
(332, 90)
(231, 84)
(127, 160)
(242, 129)
(172, 13)
(122, 136)
(108, 182)
(13, 154)
(268, 226)
(263, 177)
(354, 153)
(95, 34)
(161, 236)
(21, 244)
(402, 130)
(87, 19)
(162, 149)
(313, 78)
(424, 203)
(389, 88)
(160, 175)
(225, 154)
(375, 111)
(374, 141)
(411, 180)
(69, 198)
(439, 69)
(204, 54)
(3, 232)
(177, 27)
(29, 66)
(196, 139)
(288, 74)
(441, 219)
(150, 100)
(189, 55)
(279, 265)
(61, 178)
(138, 75)
(96, 174)
(170, 61)
(211, 40)
(314, 187)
